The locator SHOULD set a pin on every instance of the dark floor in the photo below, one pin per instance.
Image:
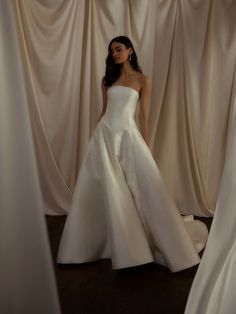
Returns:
(95, 288)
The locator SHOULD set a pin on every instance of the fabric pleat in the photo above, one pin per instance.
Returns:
(64, 46)
(27, 282)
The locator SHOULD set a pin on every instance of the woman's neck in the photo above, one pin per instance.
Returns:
(127, 70)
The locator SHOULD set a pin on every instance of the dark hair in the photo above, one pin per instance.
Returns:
(112, 72)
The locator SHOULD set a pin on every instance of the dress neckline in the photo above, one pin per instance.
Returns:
(125, 87)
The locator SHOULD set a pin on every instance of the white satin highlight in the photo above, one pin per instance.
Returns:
(120, 208)
(64, 46)
(214, 286)
(27, 282)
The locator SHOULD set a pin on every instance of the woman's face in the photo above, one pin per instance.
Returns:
(119, 52)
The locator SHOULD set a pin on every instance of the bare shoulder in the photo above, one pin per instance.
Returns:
(145, 82)
(104, 87)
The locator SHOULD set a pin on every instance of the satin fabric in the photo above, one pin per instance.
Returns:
(121, 209)
(214, 286)
(27, 281)
(191, 63)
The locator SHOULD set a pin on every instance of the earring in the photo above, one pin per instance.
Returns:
(130, 57)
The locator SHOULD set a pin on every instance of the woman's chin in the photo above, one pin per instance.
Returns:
(118, 61)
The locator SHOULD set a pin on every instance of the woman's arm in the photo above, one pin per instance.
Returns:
(144, 107)
(104, 99)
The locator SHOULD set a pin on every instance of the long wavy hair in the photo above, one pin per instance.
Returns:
(113, 70)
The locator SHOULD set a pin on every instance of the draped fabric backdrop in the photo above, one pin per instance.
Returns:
(27, 283)
(186, 46)
(213, 288)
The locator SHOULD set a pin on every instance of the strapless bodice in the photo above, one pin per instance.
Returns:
(121, 105)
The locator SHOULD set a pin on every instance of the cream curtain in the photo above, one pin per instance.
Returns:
(186, 46)
(213, 289)
(27, 283)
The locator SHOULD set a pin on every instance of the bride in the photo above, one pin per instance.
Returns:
(121, 209)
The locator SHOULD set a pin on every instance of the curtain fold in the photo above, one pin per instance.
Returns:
(27, 283)
(214, 285)
(186, 46)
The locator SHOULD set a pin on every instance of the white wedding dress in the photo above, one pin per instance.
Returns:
(121, 209)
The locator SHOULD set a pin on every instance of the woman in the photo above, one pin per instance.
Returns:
(120, 208)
